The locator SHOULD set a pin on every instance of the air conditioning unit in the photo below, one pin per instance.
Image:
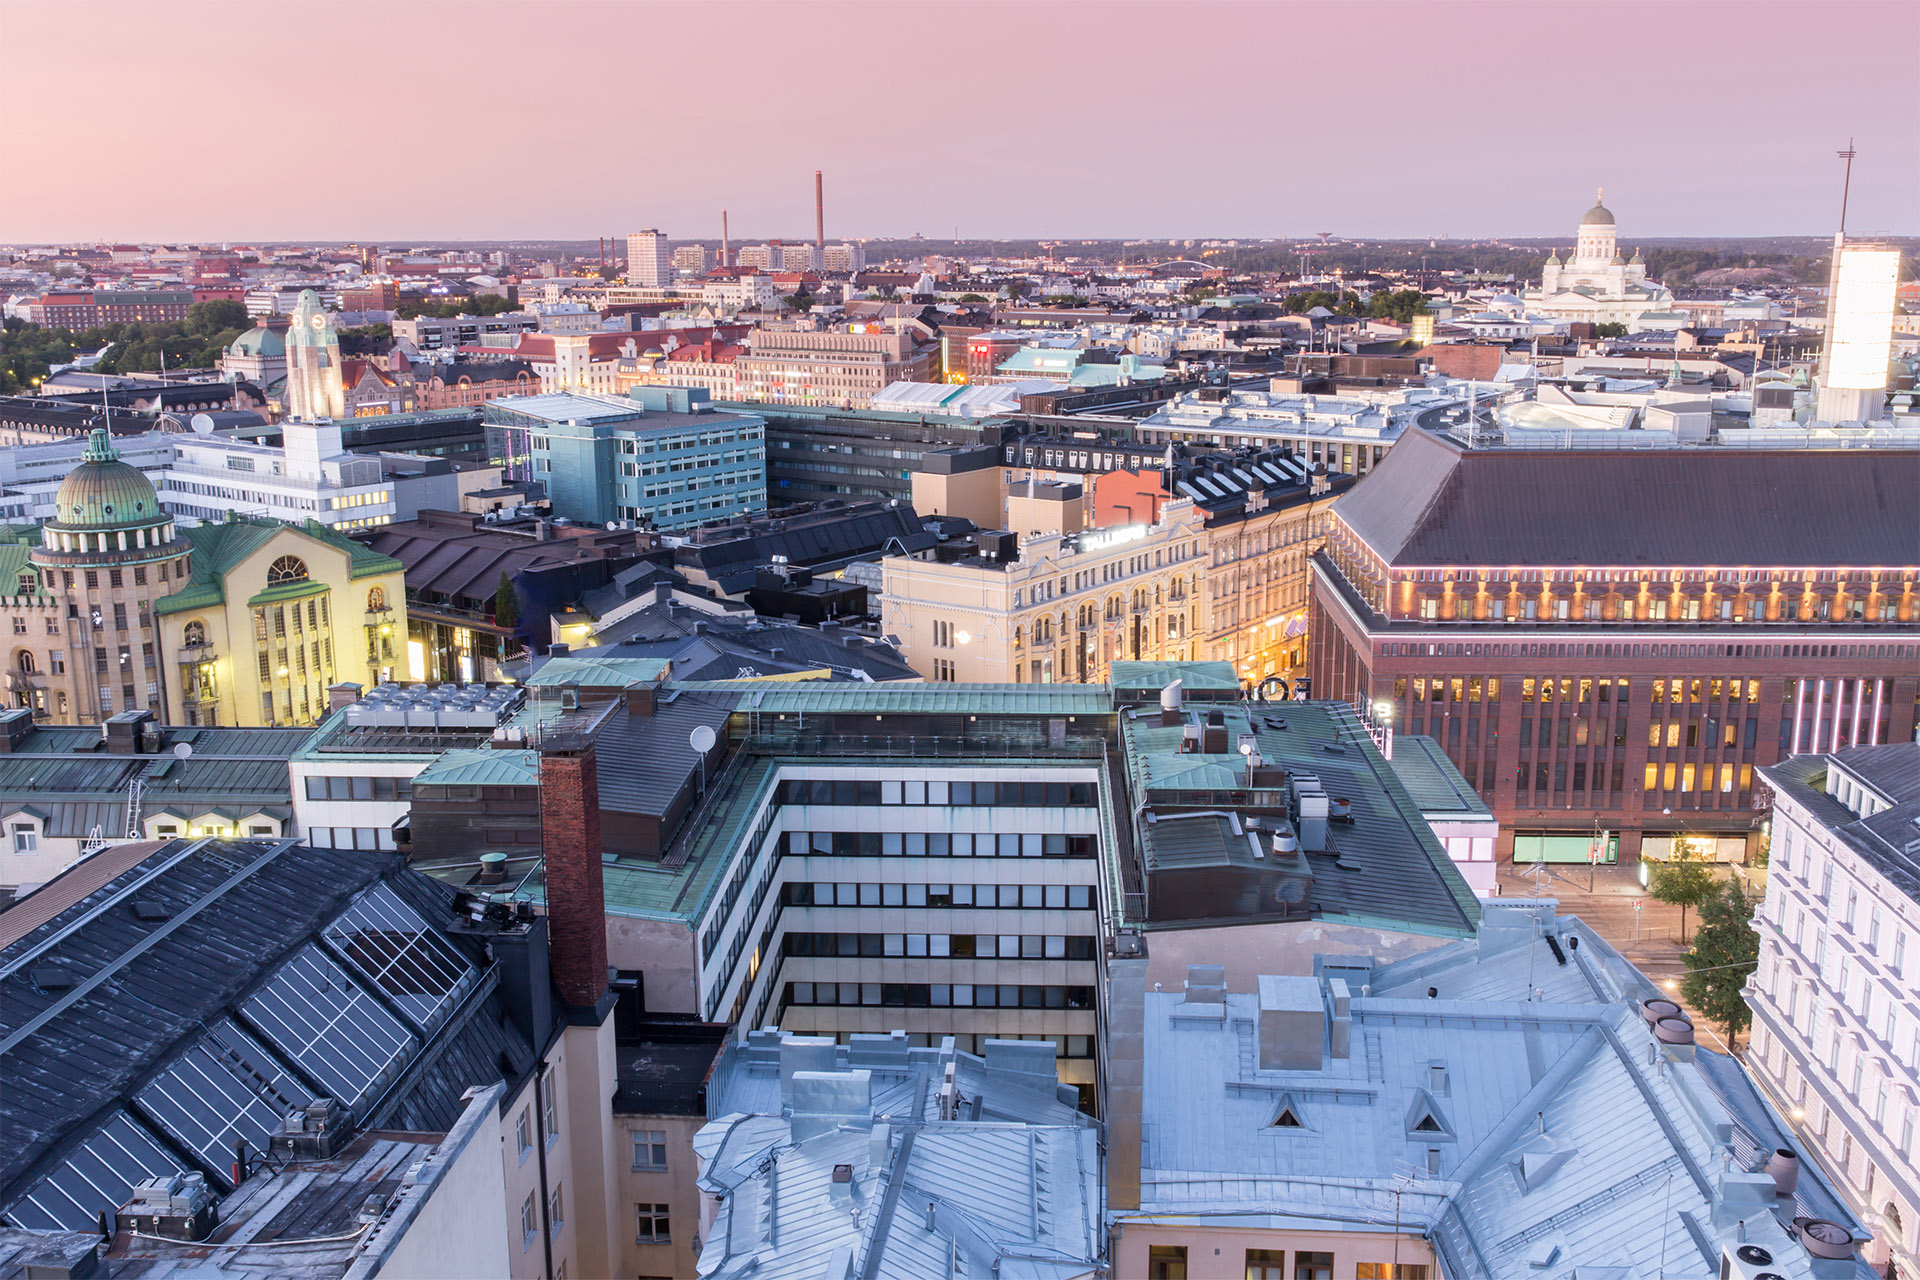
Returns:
(1748, 1262)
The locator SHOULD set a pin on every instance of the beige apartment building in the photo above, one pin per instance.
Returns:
(841, 369)
(1068, 608)
(1223, 580)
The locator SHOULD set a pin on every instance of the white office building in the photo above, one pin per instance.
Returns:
(1836, 999)
(649, 258)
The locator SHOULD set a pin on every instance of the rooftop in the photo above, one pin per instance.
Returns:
(1503, 1097)
(998, 1175)
(1432, 501)
(152, 1015)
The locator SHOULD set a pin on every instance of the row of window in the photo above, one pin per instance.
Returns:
(960, 946)
(939, 995)
(356, 788)
(1051, 795)
(1045, 897)
(937, 844)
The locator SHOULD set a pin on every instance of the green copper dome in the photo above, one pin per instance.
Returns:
(259, 341)
(104, 492)
(1598, 216)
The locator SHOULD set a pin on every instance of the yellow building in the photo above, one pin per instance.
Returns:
(272, 615)
(79, 607)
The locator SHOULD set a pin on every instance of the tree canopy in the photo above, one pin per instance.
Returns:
(1401, 305)
(28, 352)
(1725, 953)
(506, 603)
(479, 304)
(1685, 880)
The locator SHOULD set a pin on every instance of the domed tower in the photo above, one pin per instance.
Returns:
(108, 553)
(1596, 244)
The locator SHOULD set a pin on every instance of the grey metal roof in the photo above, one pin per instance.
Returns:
(1435, 502)
(1884, 840)
(1554, 1124)
(918, 699)
(1390, 870)
(1014, 1191)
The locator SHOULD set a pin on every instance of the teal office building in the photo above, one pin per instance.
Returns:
(663, 455)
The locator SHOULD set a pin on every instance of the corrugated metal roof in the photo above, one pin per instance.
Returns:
(1157, 675)
(573, 668)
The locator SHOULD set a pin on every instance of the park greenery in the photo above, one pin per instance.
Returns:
(480, 304)
(28, 352)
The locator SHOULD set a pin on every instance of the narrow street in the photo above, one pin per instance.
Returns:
(1605, 898)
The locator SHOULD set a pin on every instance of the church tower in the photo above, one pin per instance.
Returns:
(314, 387)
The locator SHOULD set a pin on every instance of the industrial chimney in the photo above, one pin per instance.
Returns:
(726, 257)
(819, 219)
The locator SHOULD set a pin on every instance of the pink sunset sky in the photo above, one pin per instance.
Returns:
(411, 120)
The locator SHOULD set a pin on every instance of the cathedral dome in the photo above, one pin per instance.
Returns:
(1598, 216)
(259, 341)
(104, 492)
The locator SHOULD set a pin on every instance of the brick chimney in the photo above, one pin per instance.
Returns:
(576, 896)
(344, 694)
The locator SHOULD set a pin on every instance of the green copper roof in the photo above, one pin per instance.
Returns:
(288, 591)
(104, 492)
(482, 768)
(14, 568)
(218, 548)
(259, 341)
(597, 673)
(1158, 675)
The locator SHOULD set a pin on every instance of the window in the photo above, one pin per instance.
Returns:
(556, 1217)
(1312, 1266)
(1167, 1262)
(649, 1149)
(651, 1227)
(549, 1110)
(523, 1131)
(1387, 1271)
(529, 1223)
(1266, 1264)
(26, 838)
(286, 569)
(376, 599)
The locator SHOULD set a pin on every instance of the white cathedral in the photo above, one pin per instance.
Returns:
(1596, 285)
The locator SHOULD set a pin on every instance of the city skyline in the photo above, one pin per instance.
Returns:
(1051, 111)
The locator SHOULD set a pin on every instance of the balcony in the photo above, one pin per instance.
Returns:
(194, 654)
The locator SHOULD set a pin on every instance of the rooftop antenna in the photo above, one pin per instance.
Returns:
(1846, 184)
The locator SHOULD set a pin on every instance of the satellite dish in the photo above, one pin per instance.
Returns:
(701, 739)
(181, 750)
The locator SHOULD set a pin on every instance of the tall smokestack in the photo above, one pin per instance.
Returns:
(819, 213)
(726, 257)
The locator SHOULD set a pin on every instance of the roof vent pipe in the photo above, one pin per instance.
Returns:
(1170, 703)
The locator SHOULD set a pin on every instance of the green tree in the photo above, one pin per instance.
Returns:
(1611, 329)
(802, 302)
(367, 340)
(972, 298)
(1684, 880)
(214, 315)
(506, 604)
(1401, 305)
(1725, 953)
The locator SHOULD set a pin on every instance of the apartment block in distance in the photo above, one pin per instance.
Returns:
(1609, 643)
(846, 370)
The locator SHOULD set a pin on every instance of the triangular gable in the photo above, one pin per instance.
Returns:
(1287, 1116)
(1426, 1122)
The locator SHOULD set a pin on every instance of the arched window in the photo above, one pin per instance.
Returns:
(194, 633)
(23, 661)
(286, 569)
(376, 599)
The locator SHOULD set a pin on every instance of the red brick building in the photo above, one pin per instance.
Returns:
(1609, 643)
(110, 306)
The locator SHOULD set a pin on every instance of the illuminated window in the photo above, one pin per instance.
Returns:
(286, 569)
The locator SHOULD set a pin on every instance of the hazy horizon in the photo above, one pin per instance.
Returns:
(218, 121)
